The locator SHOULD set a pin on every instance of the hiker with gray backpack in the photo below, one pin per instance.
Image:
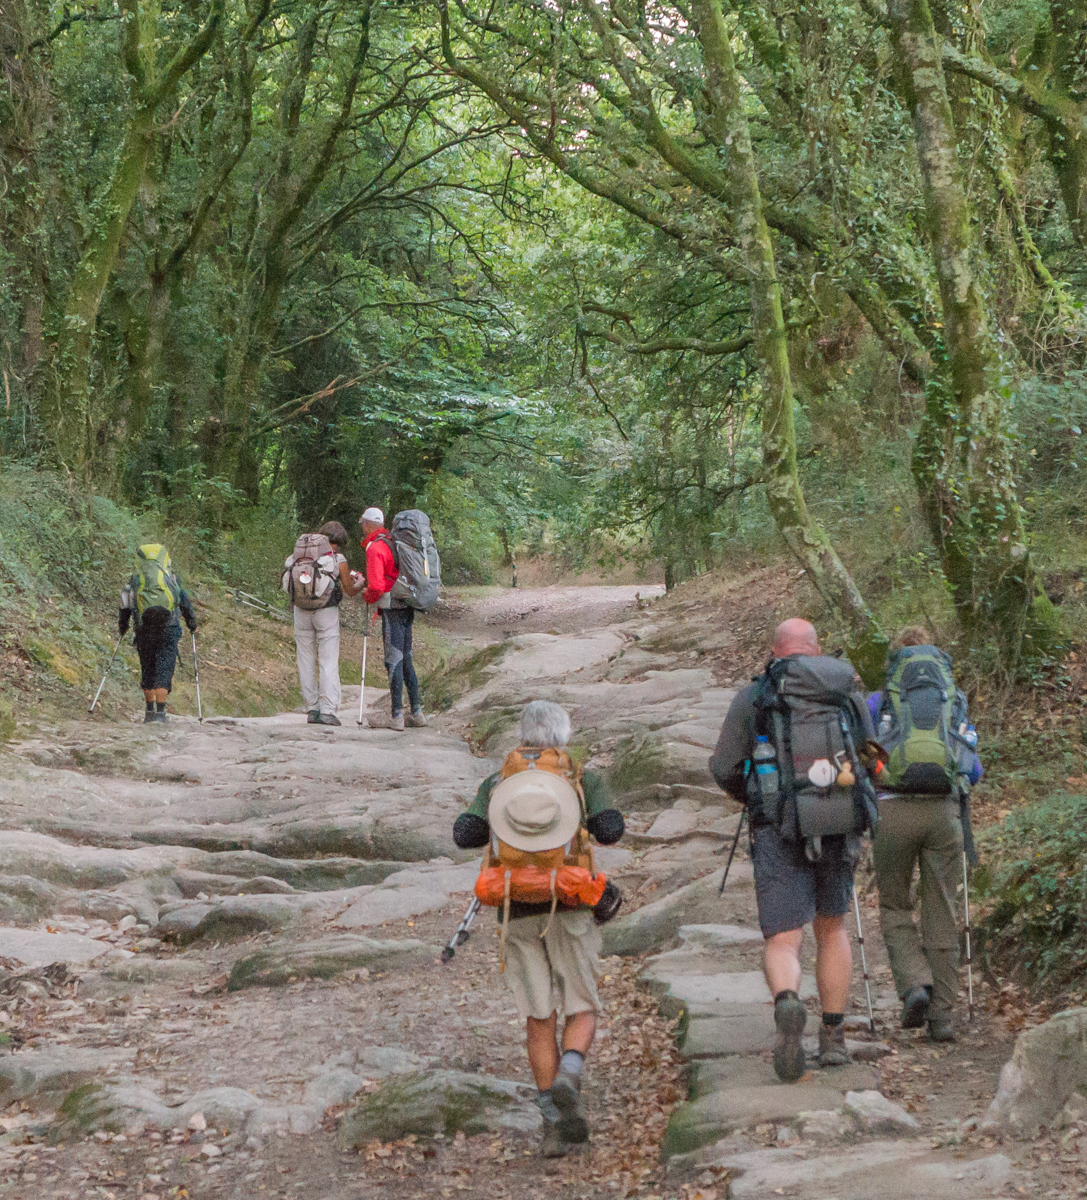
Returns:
(921, 721)
(316, 577)
(151, 601)
(797, 750)
(403, 576)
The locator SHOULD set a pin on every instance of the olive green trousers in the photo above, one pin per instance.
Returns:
(927, 833)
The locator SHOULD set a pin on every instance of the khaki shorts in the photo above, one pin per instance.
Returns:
(557, 972)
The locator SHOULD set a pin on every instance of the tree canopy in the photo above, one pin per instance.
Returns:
(631, 276)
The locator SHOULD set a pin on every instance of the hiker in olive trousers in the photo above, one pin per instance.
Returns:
(923, 833)
(922, 830)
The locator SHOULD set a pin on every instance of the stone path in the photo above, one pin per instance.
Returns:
(248, 913)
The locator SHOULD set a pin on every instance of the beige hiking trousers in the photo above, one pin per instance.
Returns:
(317, 649)
(921, 832)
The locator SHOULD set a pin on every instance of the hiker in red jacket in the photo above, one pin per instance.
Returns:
(396, 619)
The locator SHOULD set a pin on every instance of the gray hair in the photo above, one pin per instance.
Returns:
(544, 723)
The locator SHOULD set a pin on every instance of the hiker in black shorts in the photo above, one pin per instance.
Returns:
(804, 832)
(152, 600)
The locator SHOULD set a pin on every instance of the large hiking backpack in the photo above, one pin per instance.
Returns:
(417, 560)
(311, 573)
(564, 874)
(156, 584)
(920, 716)
(808, 708)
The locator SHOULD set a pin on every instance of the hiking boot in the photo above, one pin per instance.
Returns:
(940, 1029)
(915, 1007)
(314, 717)
(416, 720)
(552, 1144)
(790, 1016)
(832, 1048)
(395, 722)
(149, 716)
(566, 1093)
(327, 719)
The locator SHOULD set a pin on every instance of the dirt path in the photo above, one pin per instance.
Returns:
(247, 917)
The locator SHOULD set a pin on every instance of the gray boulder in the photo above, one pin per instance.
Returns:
(224, 920)
(659, 922)
(874, 1113)
(24, 898)
(41, 1078)
(1047, 1072)
(437, 1102)
(324, 958)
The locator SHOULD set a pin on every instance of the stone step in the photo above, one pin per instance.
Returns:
(883, 1170)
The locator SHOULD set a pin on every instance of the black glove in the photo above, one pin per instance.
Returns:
(470, 832)
(191, 624)
(608, 904)
(123, 618)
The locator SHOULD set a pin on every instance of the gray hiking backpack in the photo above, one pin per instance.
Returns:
(807, 706)
(311, 573)
(417, 561)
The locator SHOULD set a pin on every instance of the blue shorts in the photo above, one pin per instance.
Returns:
(790, 890)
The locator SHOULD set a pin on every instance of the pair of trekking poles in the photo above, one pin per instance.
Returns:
(860, 928)
(195, 668)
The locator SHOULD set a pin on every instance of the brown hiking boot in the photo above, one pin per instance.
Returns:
(832, 1049)
(416, 720)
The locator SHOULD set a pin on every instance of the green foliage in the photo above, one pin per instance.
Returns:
(1034, 886)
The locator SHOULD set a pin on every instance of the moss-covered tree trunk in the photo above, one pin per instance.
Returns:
(68, 405)
(805, 537)
(963, 458)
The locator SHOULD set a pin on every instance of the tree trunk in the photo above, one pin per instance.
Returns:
(804, 536)
(962, 459)
(69, 414)
(68, 407)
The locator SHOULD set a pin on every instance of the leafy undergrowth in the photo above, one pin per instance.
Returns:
(1034, 884)
(65, 555)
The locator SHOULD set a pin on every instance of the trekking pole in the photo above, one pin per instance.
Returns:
(732, 852)
(864, 963)
(461, 936)
(362, 683)
(196, 673)
(104, 677)
(969, 952)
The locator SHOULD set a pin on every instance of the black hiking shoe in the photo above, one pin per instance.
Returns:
(915, 1005)
(328, 719)
(790, 1016)
(314, 717)
(566, 1093)
(149, 716)
(940, 1029)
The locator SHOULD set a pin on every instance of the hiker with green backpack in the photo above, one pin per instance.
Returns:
(921, 721)
(152, 600)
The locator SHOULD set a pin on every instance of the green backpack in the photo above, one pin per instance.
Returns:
(919, 721)
(156, 584)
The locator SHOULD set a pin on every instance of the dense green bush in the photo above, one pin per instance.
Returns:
(1034, 887)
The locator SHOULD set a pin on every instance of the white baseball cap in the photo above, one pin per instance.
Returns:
(373, 514)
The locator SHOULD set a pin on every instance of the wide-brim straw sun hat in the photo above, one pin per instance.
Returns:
(534, 810)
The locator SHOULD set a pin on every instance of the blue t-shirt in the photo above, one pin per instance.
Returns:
(976, 771)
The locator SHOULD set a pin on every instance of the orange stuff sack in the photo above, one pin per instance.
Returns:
(566, 885)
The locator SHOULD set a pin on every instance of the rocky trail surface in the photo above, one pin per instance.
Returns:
(220, 975)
